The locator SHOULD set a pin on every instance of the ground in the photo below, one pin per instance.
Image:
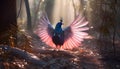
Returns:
(40, 56)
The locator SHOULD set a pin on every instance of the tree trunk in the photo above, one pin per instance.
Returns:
(8, 22)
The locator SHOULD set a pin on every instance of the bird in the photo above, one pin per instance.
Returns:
(62, 38)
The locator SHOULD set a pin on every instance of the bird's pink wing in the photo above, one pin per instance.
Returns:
(75, 33)
(45, 30)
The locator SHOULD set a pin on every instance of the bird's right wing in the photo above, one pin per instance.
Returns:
(74, 34)
(45, 30)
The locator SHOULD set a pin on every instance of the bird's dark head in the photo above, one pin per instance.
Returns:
(58, 28)
(59, 23)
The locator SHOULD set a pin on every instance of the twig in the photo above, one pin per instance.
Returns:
(19, 8)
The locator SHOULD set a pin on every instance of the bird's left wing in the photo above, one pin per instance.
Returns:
(74, 34)
(45, 30)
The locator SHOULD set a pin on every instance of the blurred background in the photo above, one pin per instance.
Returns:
(55, 9)
(16, 28)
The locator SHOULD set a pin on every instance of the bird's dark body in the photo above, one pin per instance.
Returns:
(58, 35)
(58, 39)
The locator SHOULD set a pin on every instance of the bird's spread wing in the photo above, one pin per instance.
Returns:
(74, 34)
(45, 30)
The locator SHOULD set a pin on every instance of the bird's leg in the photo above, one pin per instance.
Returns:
(58, 47)
(61, 48)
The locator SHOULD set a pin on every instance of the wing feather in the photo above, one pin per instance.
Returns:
(45, 30)
(74, 34)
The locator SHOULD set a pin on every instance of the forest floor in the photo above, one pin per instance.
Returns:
(40, 56)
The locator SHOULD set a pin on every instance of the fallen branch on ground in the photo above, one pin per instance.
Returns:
(29, 57)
